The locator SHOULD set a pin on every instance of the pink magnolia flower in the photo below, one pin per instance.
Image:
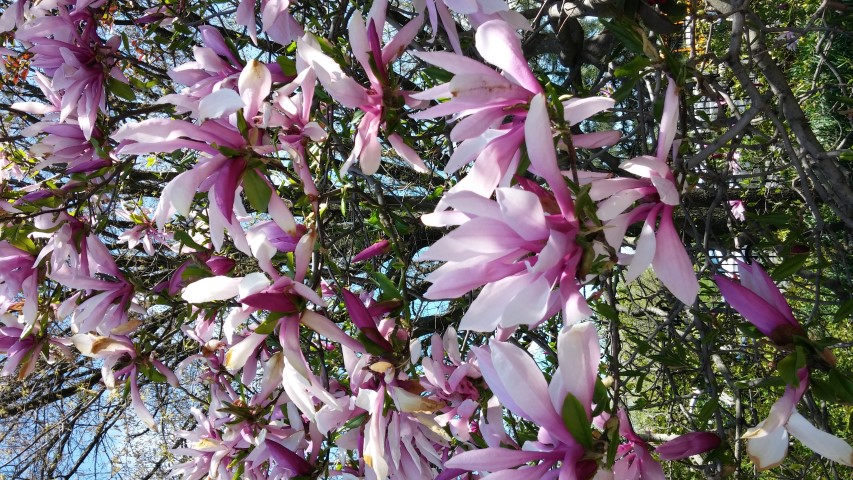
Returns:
(64, 140)
(512, 248)
(379, 248)
(656, 188)
(277, 21)
(23, 349)
(498, 110)
(378, 101)
(230, 153)
(112, 349)
(738, 209)
(19, 276)
(80, 63)
(518, 383)
(634, 462)
(760, 302)
(112, 295)
(451, 382)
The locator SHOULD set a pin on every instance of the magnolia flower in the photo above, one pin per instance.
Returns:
(275, 17)
(18, 275)
(515, 251)
(112, 349)
(373, 101)
(738, 209)
(760, 302)
(80, 65)
(659, 248)
(767, 442)
(518, 383)
(496, 111)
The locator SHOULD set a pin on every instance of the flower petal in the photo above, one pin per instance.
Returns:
(822, 443)
(672, 265)
(212, 289)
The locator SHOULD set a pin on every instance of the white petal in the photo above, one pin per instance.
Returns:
(770, 450)
(822, 443)
(220, 103)
(212, 289)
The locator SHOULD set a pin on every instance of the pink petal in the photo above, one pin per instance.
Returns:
(672, 264)
(596, 139)
(754, 309)
(668, 121)
(219, 104)
(577, 110)
(543, 157)
(754, 278)
(579, 352)
(687, 445)
(212, 289)
(139, 407)
(528, 390)
(499, 45)
(254, 85)
(644, 252)
(495, 459)
(523, 213)
(822, 443)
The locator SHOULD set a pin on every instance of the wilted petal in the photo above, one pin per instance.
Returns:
(769, 450)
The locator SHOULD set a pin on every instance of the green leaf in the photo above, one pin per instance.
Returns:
(184, 237)
(242, 126)
(842, 386)
(257, 190)
(844, 310)
(788, 267)
(121, 89)
(788, 367)
(268, 325)
(288, 66)
(706, 412)
(627, 32)
(633, 67)
(624, 90)
(388, 291)
(576, 421)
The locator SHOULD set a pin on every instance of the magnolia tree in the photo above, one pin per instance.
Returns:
(427, 239)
